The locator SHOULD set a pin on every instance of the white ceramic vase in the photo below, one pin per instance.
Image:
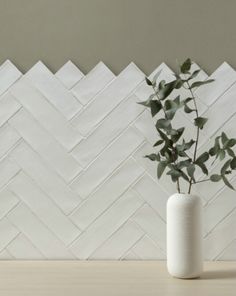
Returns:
(184, 236)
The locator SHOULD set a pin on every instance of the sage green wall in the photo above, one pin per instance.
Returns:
(147, 32)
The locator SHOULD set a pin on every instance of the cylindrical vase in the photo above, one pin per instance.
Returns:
(184, 236)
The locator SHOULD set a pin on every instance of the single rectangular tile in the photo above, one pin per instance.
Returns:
(109, 130)
(8, 107)
(107, 162)
(221, 111)
(229, 253)
(8, 200)
(69, 74)
(42, 142)
(53, 90)
(108, 99)
(220, 237)
(39, 107)
(146, 125)
(7, 233)
(5, 255)
(39, 203)
(119, 243)
(225, 77)
(21, 248)
(47, 243)
(8, 75)
(152, 224)
(8, 169)
(218, 208)
(94, 82)
(111, 190)
(152, 194)
(9, 137)
(105, 225)
(146, 249)
(46, 178)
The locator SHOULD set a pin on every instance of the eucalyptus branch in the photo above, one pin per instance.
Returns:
(197, 136)
(173, 152)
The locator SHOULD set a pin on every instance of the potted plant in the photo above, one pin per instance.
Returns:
(180, 160)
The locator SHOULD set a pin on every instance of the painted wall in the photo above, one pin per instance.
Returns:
(147, 32)
(73, 180)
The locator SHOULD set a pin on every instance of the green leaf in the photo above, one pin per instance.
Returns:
(161, 84)
(200, 162)
(186, 66)
(179, 83)
(145, 103)
(194, 74)
(152, 157)
(156, 106)
(170, 107)
(163, 136)
(231, 143)
(230, 152)
(159, 142)
(166, 90)
(215, 178)
(221, 154)
(225, 167)
(175, 173)
(216, 148)
(184, 176)
(224, 138)
(177, 101)
(176, 137)
(202, 167)
(160, 169)
(148, 81)
(163, 123)
(184, 146)
(225, 180)
(199, 83)
(212, 151)
(183, 164)
(202, 158)
(233, 163)
(191, 169)
(172, 132)
(187, 109)
(200, 122)
(155, 77)
(187, 100)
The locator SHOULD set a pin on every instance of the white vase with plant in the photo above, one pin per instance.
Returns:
(179, 158)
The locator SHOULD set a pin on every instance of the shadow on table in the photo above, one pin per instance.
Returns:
(219, 274)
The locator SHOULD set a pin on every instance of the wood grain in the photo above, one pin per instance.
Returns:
(147, 278)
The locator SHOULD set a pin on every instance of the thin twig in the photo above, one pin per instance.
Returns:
(197, 136)
(205, 180)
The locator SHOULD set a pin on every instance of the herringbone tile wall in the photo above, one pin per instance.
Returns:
(74, 183)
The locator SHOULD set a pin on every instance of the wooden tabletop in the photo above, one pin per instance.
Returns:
(85, 278)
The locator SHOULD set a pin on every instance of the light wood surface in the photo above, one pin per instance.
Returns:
(85, 278)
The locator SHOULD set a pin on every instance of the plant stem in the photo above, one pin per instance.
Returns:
(178, 186)
(197, 136)
(178, 183)
(202, 181)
